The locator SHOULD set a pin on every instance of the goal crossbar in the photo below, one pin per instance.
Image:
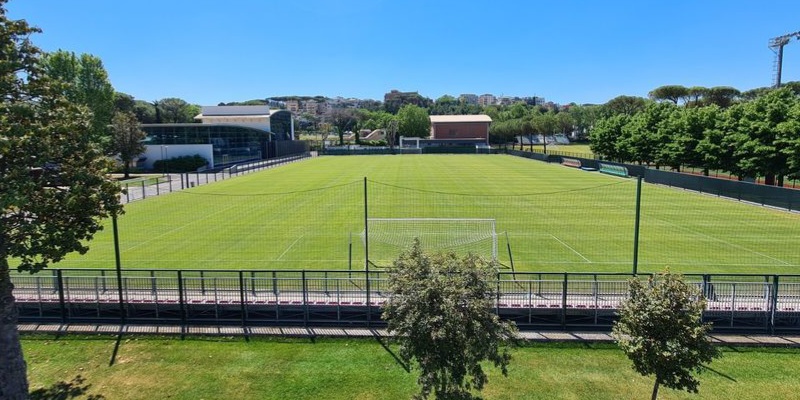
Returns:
(390, 236)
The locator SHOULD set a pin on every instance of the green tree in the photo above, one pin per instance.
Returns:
(343, 119)
(584, 118)
(606, 136)
(440, 309)
(763, 130)
(127, 139)
(53, 184)
(145, 112)
(123, 102)
(87, 84)
(175, 110)
(660, 330)
(687, 128)
(628, 105)
(723, 96)
(694, 95)
(413, 121)
(673, 93)
(644, 136)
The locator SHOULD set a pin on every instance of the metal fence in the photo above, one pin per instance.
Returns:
(744, 303)
(774, 196)
(168, 183)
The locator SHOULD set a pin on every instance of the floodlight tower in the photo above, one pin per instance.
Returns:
(776, 44)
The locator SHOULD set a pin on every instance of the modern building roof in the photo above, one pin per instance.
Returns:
(231, 111)
(460, 118)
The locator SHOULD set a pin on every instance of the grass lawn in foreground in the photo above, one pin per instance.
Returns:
(218, 368)
(310, 215)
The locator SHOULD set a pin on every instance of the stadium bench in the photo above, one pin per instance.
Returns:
(616, 170)
(571, 162)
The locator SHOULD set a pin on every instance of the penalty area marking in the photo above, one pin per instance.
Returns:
(569, 247)
(289, 248)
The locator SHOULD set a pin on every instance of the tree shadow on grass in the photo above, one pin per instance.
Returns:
(722, 374)
(381, 340)
(65, 390)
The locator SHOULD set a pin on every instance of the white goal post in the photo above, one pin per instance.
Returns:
(388, 237)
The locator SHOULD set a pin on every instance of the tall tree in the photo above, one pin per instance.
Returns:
(673, 93)
(127, 139)
(629, 105)
(695, 94)
(87, 84)
(343, 119)
(440, 309)
(723, 96)
(413, 121)
(660, 330)
(174, 110)
(53, 184)
(123, 102)
(644, 135)
(607, 134)
(763, 131)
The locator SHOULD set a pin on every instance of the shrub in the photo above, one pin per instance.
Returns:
(181, 164)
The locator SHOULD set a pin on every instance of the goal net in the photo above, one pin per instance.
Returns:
(388, 237)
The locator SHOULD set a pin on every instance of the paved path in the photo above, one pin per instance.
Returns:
(313, 332)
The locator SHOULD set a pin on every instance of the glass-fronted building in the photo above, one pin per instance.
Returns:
(225, 135)
(230, 143)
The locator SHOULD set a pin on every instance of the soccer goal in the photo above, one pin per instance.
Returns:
(388, 237)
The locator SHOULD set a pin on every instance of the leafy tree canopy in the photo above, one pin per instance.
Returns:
(54, 187)
(660, 330)
(440, 309)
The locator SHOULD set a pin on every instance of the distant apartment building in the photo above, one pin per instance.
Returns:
(293, 106)
(486, 100)
(310, 107)
(468, 98)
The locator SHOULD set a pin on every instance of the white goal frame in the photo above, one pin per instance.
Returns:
(441, 238)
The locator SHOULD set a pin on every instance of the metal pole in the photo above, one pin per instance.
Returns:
(118, 264)
(636, 226)
(366, 250)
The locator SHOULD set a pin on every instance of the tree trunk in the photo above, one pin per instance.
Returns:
(13, 378)
(655, 391)
(769, 179)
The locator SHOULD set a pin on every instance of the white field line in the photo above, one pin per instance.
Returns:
(288, 248)
(723, 241)
(573, 250)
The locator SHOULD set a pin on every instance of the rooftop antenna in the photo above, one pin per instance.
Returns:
(776, 45)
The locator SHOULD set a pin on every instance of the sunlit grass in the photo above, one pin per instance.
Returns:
(219, 368)
(310, 215)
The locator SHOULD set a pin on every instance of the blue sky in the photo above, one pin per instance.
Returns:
(208, 52)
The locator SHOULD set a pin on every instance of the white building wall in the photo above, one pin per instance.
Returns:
(155, 152)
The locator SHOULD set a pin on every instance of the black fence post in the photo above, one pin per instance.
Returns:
(774, 303)
(61, 303)
(636, 225)
(181, 304)
(118, 265)
(366, 252)
(564, 301)
(305, 298)
(242, 299)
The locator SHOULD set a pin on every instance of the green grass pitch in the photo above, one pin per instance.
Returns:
(309, 215)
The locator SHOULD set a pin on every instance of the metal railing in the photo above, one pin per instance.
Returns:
(762, 303)
(158, 185)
